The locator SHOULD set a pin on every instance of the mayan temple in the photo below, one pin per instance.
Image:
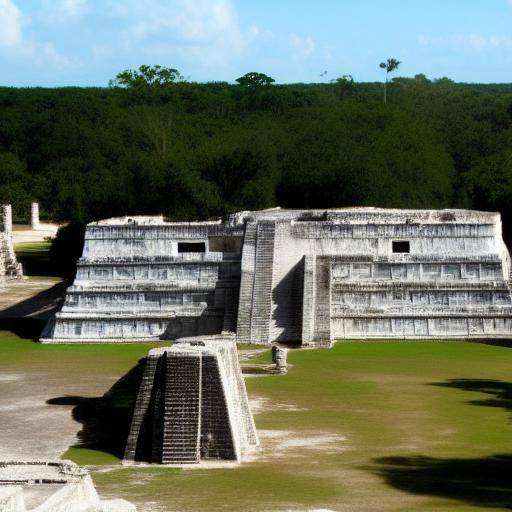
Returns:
(192, 406)
(302, 276)
(9, 267)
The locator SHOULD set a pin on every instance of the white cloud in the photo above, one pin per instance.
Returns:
(64, 10)
(10, 23)
(302, 47)
(207, 31)
(24, 48)
(468, 41)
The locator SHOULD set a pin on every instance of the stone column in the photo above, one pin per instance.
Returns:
(6, 216)
(34, 216)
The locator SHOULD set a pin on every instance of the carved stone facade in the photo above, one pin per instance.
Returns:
(9, 267)
(308, 276)
(192, 406)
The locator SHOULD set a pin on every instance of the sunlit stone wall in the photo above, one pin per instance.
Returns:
(307, 276)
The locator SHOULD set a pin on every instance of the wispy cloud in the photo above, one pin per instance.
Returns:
(10, 23)
(22, 48)
(207, 31)
(64, 10)
(302, 47)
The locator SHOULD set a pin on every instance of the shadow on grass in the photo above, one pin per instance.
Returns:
(106, 420)
(500, 392)
(35, 258)
(484, 482)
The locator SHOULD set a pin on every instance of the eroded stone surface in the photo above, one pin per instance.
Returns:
(9, 267)
(52, 486)
(308, 276)
(192, 406)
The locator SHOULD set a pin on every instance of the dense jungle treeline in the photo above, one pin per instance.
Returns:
(193, 150)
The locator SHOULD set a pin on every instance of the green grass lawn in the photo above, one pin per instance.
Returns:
(390, 426)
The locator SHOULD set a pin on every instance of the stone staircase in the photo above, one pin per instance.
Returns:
(262, 289)
(246, 284)
(182, 411)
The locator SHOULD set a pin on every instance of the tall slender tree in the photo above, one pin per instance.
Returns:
(390, 65)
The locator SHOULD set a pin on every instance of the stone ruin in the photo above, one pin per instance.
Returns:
(47, 486)
(9, 267)
(280, 359)
(302, 276)
(192, 406)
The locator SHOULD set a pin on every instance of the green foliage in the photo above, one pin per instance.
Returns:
(345, 85)
(14, 181)
(491, 182)
(159, 144)
(146, 76)
(371, 156)
(390, 65)
(255, 79)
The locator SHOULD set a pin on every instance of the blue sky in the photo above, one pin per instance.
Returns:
(86, 42)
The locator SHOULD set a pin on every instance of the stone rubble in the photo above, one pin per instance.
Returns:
(73, 488)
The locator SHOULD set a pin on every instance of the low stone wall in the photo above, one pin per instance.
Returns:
(74, 488)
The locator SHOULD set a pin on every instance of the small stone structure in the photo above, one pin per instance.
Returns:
(279, 358)
(9, 267)
(47, 486)
(192, 406)
(302, 276)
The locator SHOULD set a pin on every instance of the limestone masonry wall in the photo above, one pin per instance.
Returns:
(9, 267)
(308, 276)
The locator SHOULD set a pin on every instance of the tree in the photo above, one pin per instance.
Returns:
(390, 65)
(14, 181)
(490, 185)
(146, 76)
(255, 79)
(344, 85)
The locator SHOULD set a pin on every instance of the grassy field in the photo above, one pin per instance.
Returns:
(363, 426)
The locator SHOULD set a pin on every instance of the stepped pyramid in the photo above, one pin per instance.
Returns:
(9, 267)
(192, 406)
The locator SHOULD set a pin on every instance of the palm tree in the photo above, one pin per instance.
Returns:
(390, 65)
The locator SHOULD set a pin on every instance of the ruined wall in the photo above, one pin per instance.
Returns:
(452, 280)
(374, 273)
(192, 406)
(53, 486)
(9, 267)
(142, 278)
(307, 276)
